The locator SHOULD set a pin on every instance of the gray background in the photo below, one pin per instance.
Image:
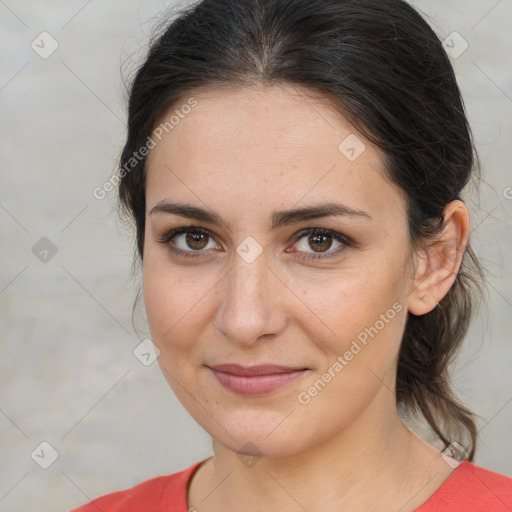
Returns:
(68, 372)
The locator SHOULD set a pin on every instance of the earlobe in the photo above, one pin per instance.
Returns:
(438, 267)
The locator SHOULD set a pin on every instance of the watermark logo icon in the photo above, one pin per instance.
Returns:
(44, 45)
(455, 45)
(251, 456)
(44, 455)
(249, 250)
(454, 454)
(352, 147)
(146, 352)
(44, 250)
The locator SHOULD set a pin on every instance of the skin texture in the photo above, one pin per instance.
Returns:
(244, 154)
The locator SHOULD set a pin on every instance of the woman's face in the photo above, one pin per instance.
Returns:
(250, 286)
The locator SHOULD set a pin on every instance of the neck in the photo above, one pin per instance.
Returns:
(374, 460)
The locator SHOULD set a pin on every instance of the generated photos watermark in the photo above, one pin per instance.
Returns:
(357, 345)
(137, 156)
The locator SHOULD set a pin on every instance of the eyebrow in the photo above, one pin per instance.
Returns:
(278, 219)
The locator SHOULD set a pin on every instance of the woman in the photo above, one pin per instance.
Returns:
(294, 170)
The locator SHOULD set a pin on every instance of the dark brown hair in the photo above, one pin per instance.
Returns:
(383, 67)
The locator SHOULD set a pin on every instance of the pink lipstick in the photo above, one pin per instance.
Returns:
(255, 380)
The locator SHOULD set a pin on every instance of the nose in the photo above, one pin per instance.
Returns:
(252, 307)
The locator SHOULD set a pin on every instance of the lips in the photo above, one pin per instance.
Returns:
(250, 371)
(255, 380)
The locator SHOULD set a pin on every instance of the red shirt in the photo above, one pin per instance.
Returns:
(469, 488)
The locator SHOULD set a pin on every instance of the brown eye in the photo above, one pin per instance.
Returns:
(192, 242)
(187, 242)
(196, 241)
(321, 240)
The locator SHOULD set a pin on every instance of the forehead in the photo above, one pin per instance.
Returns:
(265, 146)
(288, 119)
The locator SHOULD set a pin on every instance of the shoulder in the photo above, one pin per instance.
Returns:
(160, 494)
(471, 488)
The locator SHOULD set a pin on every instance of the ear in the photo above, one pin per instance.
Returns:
(439, 264)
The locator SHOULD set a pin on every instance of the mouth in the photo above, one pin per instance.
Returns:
(255, 380)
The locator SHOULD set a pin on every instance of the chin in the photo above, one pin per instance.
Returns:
(260, 446)
(258, 434)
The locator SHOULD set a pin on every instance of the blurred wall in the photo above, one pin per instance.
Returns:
(68, 374)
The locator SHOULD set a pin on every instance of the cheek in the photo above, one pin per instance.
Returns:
(346, 304)
(358, 325)
(365, 316)
(174, 304)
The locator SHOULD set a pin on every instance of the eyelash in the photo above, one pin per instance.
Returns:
(167, 237)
